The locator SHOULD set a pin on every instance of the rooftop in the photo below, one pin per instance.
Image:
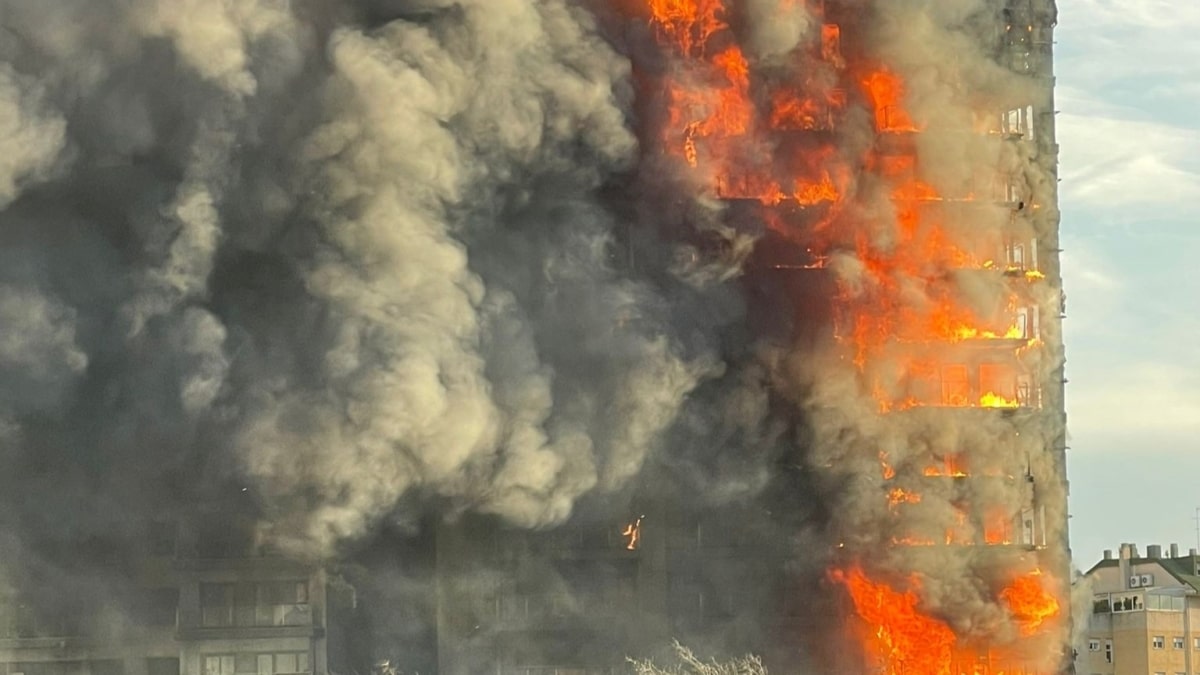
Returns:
(1182, 567)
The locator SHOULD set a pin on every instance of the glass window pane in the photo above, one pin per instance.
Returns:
(285, 663)
(302, 662)
(227, 665)
(295, 615)
(163, 666)
(264, 615)
(212, 665)
(244, 663)
(264, 665)
(214, 616)
(215, 594)
(245, 605)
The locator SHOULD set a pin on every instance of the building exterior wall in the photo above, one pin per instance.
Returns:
(1149, 629)
(182, 638)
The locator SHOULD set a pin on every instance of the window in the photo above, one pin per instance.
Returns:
(1177, 642)
(1015, 252)
(162, 666)
(1196, 643)
(43, 668)
(1018, 121)
(160, 537)
(956, 389)
(216, 609)
(1128, 603)
(999, 380)
(278, 663)
(1158, 641)
(1093, 645)
(1108, 654)
(218, 665)
(283, 663)
(107, 667)
(156, 607)
(265, 604)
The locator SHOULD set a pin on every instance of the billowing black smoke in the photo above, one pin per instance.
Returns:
(339, 272)
(334, 253)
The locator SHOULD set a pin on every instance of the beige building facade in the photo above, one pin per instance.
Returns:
(1145, 616)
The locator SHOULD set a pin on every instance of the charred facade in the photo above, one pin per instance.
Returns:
(895, 170)
(188, 597)
(525, 336)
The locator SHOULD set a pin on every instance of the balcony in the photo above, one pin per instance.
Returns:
(522, 611)
(265, 609)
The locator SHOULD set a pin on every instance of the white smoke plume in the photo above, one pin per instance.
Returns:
(32, 136)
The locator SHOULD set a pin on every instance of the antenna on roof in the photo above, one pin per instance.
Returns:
(1197, 519)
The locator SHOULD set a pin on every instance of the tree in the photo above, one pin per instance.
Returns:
(688, 664)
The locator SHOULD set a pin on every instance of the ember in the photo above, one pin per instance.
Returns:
(633, 534)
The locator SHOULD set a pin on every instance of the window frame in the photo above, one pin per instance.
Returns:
(256, 658)
(254, 604)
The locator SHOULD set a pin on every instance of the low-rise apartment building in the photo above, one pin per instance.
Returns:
(186, 604)
(1145, 617)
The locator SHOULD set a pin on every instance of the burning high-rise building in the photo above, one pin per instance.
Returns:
(561, 328)
(880, 177)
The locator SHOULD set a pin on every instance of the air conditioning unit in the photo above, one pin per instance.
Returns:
(1135, 581)
(1147, 580)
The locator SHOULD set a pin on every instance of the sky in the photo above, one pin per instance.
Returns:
(1129, 134)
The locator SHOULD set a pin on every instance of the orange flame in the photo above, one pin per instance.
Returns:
(688, 23)
(898, 314)
(899, 637)
(717, 122)
(888, 472)
(634, 532)
(1029, 602)
(993, 400)
(831, 44)
(951, 465)
(899, 496)
(886, 91)
(997, 528)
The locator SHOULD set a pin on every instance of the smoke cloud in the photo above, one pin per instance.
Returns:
(351, 263)
(334, 259)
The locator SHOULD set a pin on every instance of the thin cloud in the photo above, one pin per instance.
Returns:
(1113, 163)
(1107, 40)
(1137, 397)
